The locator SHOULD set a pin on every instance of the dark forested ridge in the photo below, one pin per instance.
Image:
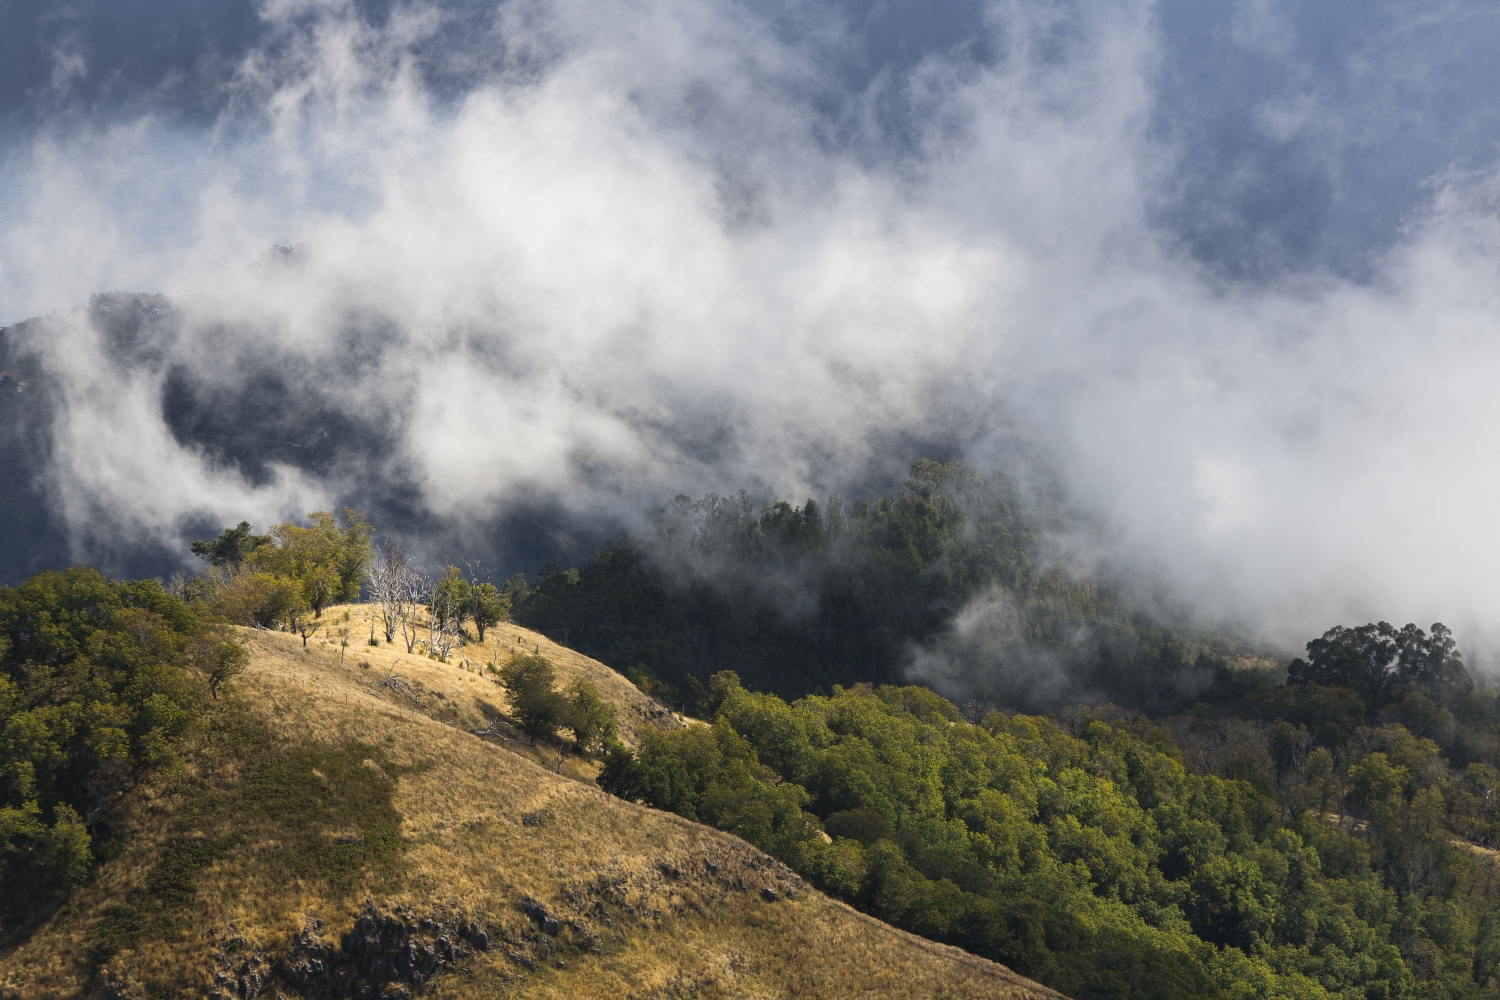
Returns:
(797, 599)
(35, 537)
(247, 414)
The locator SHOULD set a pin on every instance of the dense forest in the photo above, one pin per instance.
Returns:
(797, 599)
(1298, 843)
(96, 686)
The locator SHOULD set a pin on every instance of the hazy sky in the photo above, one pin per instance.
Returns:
(1232, 266)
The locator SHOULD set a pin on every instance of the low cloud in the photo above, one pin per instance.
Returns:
(584, 257)
(983, 654)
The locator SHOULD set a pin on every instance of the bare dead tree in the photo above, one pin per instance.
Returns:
(388, 579)
(442, 626)
(414, 590)
(176, 585)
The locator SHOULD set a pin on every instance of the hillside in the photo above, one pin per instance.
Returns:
(634, 708)
(332, 837)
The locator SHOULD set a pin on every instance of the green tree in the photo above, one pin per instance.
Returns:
(538, 706)
(487, 607)
(232, 547)
(320, 587)
(591, 718)
(91, 693)
(1375, 659)
(219, 656)
(329, 562)
(449, 602)
(259, 599)
(353, 554)
(516, 590)
(1433, 664)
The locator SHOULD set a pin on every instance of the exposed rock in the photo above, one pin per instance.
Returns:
(383, 957)
(237, 977)
(380, 951)
(476, 935)
(769, 894)
(536, 911)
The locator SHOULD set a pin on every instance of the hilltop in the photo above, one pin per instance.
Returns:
(329, 834)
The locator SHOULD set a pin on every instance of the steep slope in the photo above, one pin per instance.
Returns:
(333, 835)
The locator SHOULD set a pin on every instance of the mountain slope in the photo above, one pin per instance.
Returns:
(333, 837)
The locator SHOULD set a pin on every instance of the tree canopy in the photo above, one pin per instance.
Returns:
(1375, 659)
(531, 684)
(1107, 855)
(91, 691)
(232, 547)
(279, 577)
(329, 562)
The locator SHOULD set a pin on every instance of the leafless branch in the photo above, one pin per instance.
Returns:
(400, 686)
(413, 596)
(494, 730)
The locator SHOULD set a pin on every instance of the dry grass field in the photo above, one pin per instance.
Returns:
(635, 709)
(327, 836)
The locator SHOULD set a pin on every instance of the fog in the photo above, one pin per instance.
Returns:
(1234, 276)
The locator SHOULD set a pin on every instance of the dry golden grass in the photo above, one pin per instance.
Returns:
(634, 708)
(651, 904)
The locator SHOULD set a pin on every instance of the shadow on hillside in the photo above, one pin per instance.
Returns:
(30, 901)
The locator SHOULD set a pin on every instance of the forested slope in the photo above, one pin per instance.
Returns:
(1210, 854)
(1227, 826)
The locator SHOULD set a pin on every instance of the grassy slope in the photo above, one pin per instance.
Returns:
(312, 794)
(635, 708)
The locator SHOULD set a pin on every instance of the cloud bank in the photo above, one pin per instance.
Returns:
(590, 255)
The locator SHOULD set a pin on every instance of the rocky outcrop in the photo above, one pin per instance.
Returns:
(385, 955)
